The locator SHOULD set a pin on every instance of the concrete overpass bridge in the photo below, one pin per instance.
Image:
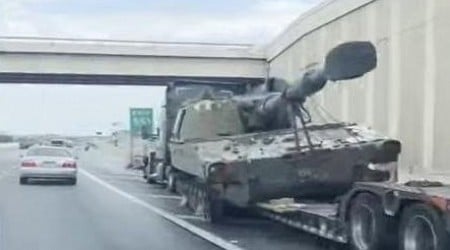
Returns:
(110, 62)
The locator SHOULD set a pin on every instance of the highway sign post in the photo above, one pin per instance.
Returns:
(141, 124)
(141, 121)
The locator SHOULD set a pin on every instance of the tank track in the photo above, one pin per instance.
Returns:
(199, 197)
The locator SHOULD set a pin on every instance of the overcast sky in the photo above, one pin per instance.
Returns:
(81, 110)
(243, 21)
(71, 109)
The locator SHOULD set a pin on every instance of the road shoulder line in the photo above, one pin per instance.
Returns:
(208, 236)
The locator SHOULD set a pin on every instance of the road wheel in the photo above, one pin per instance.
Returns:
(23, 180)
(213, 208)
(422, 228)
(368, 223)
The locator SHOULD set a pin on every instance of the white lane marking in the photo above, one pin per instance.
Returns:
(6, 173)
(190, 217)
(214, 239)
(119, 178)
(159, 196)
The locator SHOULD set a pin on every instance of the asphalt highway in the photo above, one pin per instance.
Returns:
(113, 208)
(51, 216)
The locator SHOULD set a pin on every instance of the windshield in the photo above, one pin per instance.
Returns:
(54, 152)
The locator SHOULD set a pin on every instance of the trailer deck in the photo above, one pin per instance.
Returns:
(329, 220)
(317, 218)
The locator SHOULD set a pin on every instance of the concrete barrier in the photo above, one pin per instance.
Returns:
(9, 145)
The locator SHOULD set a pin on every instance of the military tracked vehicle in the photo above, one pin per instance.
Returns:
(259, 147)
(244, 146)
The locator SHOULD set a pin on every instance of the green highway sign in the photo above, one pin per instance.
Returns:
(141, 121)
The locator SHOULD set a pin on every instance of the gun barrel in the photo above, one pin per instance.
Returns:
(312, 82)
(346, 61)
(273, 110)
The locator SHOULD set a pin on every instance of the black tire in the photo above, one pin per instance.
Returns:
(144, 172)
(73, 181)
(149, 170)
(422, 228)
(144, 175)
(144, 169)
(149, 179)
(368, 224)
(23, 180)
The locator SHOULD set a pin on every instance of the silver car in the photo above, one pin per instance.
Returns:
(45, 162)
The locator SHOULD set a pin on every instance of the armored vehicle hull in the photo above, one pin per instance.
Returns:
(251, 168)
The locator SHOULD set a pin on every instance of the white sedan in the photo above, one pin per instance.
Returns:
(45, 162)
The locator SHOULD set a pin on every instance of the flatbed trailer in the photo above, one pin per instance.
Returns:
(372, 216)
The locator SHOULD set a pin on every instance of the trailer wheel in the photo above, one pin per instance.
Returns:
(422, 228)
(368, 223)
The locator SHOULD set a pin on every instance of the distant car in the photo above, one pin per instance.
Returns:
(27, 143)
(47, 162)
(90, 145)
(61, 143)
